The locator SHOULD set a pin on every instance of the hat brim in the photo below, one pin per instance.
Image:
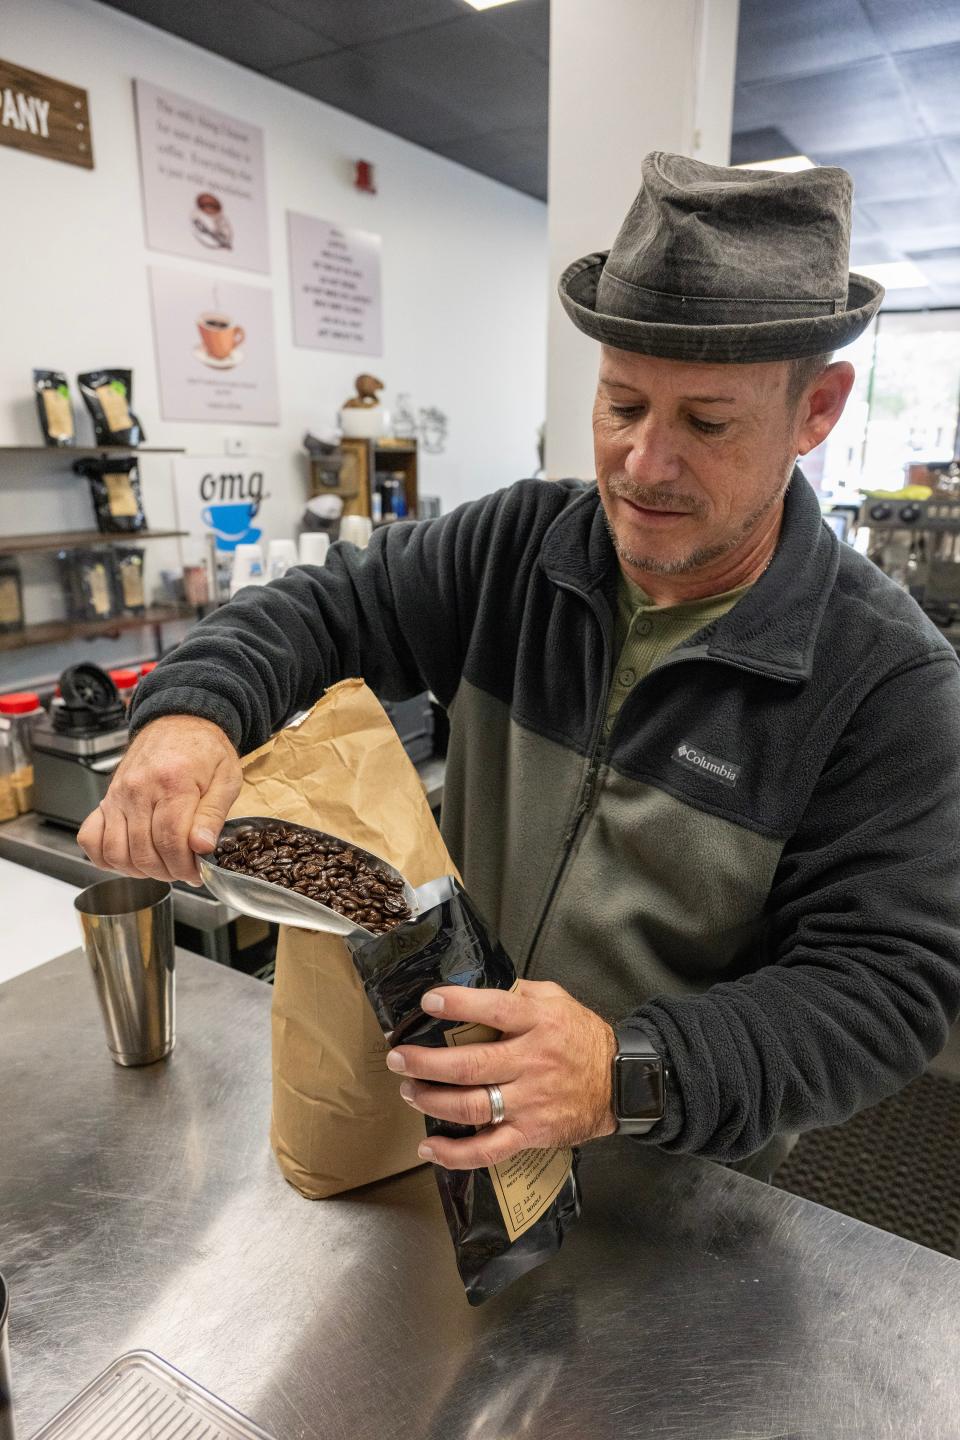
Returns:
(743, 344)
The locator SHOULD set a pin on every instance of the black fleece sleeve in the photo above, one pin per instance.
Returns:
(863, 950)
(400, 614)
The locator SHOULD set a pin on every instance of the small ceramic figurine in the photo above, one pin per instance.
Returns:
(368, 389)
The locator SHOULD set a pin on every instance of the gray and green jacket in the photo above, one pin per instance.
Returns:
(762, 859)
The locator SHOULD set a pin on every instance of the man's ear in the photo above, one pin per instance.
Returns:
(821, 405)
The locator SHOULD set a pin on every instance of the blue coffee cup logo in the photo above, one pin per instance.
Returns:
(232, 524)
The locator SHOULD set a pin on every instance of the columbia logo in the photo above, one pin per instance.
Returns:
(696, 759)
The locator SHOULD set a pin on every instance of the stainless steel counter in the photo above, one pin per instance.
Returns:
(143, 1208)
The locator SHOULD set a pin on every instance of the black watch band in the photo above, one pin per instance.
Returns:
(639, 1081)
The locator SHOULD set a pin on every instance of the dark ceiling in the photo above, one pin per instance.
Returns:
(873, 85)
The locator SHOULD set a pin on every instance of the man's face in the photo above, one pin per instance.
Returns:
(690, 457)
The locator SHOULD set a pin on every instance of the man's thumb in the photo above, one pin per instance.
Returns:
(212, 811)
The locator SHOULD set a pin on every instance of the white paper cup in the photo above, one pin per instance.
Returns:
(248, 567)
(356, 529)
(281, 554)
(314, 545)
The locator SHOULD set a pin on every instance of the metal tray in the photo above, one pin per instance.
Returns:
(141, 1397)
(266, 901)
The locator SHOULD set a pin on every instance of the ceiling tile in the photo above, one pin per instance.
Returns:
(778, 39)
(518, 157)
(941, 267)
(923, 211)
(355, 22)
(525, 23)
(871, 250)
(856, 107)
(949, 148)
(932, 78)
(376, 94)
(766, 144)
(892, 171)
(473, 72)
(249, 33)
(918, 299)
(914, 24)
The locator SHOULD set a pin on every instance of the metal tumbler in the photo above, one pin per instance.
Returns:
(128, 939)
(6, 1393)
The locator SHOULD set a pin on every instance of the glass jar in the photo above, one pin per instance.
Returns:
(18, 715)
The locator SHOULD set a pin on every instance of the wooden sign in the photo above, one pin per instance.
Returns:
(44, 116)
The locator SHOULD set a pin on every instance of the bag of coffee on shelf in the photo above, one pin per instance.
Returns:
(53, 406)
(508, 1218)
(116, 493)
(128, 563)
(107, 395)
(338, 1120)
(89, 584)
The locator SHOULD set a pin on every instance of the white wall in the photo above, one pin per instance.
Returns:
(464, 280)
(626, 77)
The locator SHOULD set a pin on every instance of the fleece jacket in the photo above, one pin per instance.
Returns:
(760, 863)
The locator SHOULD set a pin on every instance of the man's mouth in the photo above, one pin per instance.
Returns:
(656, 513)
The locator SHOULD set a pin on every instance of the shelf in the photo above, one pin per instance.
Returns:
(54, 630)
(75, 539)
(71, 452)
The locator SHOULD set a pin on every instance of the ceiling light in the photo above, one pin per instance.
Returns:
(895, 274)
(786, 162)
(487, 4)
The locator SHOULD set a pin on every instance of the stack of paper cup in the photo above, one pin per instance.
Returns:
(314, 545)
(356, 529)
(247, 567)
(281, 554)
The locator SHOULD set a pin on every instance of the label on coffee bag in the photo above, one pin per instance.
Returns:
(59, 414)
(527, 1184)
(131, 581)
(115, 407)
(10, 611)
(120, 496)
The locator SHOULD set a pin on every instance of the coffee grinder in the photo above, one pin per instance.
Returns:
(78, 746)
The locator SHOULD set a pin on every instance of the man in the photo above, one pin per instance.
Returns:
(703, 767)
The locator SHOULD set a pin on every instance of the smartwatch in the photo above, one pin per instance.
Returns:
(639, 1078)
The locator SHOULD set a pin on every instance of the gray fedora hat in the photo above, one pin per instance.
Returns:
(722, 265)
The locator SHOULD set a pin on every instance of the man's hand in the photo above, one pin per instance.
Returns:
(167, 801)
(553, 1064)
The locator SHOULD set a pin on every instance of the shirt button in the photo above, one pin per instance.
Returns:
(644, 627)
(627, 677)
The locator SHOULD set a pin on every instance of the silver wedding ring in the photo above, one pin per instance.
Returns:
(496, 1104)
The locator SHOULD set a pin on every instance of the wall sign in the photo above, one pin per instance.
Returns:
(204, 184)
(215, 349)
(45, 116)
(335, 286)
(222, 498)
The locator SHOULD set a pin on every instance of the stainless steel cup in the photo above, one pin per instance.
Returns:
(128, 939)
(6, 1393)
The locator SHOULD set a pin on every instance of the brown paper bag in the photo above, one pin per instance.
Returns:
(338, 1119)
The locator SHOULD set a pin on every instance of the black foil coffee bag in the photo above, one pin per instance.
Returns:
(108, 395)
(115, 491)
(511, 1217)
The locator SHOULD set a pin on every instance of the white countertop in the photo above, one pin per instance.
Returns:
(37, 919)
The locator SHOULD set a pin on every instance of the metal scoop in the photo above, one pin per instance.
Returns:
(267, 901)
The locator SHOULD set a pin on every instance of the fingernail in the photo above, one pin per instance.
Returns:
(424, 1152)
(207, 836)
(395, 1061)
(433, 1003)
(407, 1092)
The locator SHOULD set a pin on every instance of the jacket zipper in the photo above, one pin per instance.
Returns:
(598, 755)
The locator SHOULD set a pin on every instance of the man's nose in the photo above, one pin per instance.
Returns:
(653, 455)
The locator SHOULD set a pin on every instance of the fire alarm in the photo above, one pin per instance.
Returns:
(364, 177)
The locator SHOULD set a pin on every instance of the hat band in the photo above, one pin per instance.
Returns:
(658, 305)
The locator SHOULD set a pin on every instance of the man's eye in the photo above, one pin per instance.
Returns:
(627, 411)
(708, 427)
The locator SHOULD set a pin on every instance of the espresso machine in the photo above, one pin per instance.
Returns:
(917, 543)
(78, 746)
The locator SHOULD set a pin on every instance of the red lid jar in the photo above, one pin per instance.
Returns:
(21, 702)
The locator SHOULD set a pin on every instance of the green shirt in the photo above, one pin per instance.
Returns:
(646, 632)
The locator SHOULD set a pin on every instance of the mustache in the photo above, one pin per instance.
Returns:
(655, 497)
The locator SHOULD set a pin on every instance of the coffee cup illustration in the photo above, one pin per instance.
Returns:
(233, 524)
(219, 335)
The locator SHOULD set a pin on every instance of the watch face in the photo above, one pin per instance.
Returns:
(639, 1088)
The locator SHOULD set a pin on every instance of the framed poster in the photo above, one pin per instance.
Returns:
(335, 286)
(216, 357)
(204, 183)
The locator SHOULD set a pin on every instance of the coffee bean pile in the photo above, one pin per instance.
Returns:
(323, 870)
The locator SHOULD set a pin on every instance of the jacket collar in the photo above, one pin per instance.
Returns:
(773, 629)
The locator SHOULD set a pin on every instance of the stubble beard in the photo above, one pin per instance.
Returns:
(705, 554)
